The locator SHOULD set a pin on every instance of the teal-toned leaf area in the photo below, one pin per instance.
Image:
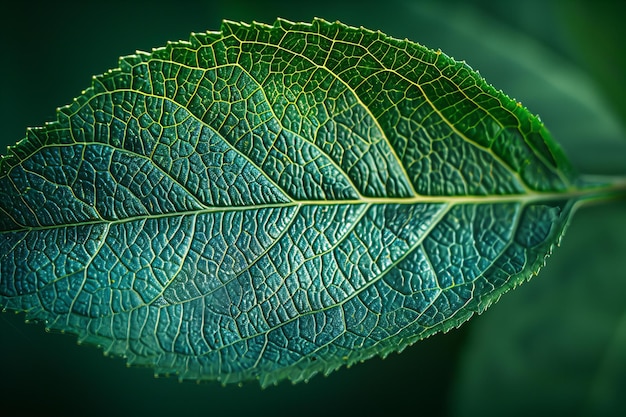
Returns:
(271, 202)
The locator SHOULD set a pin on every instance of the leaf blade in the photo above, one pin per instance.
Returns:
(174, 184)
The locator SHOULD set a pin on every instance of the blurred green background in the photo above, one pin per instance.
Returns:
(555, 346)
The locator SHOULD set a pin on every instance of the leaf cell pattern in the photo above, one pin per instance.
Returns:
(277, 201)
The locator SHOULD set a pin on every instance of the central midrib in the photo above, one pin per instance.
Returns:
(451, 200)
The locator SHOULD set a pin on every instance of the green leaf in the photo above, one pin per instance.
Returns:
(273, 202)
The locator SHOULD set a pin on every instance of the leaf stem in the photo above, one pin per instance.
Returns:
(603, 187)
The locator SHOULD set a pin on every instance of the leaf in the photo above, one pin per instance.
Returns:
(273, 202)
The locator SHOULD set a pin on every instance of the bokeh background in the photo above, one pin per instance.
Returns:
(555, 346)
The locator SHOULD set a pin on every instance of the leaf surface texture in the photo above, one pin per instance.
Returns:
(272, 202)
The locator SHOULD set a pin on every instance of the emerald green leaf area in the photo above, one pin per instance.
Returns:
(271, 202)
